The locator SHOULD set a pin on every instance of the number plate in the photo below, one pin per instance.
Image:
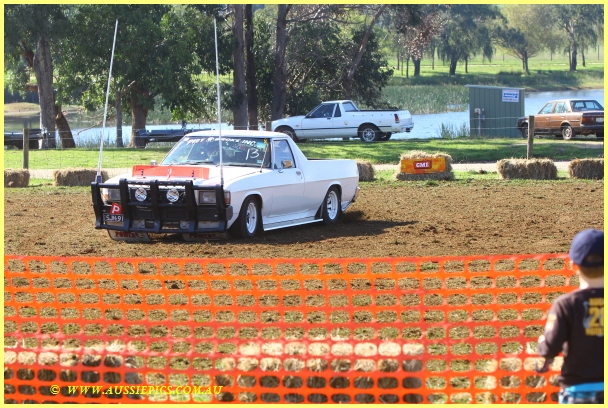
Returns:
(599, 120)
(113, 217)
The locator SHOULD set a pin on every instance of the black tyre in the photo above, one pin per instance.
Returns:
(289, 132)
(331, 209)
(249, 222)
(524, 130)
(599, 135)
(369, 133)
(33, 144)
(385, 137)
(567, 132)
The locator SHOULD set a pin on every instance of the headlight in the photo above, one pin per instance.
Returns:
(206, 197)
(173, 195)
(110, 195)
(141, 194)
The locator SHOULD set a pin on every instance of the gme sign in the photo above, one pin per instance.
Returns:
(426, 164)
(423, 165)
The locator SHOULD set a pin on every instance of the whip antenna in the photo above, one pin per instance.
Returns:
(105, 109)
(219, 112)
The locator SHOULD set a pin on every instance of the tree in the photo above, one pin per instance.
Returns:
(160, 52)
(524, 32)
(238, 84)
(33, 34)
(252, 94)
(417, 26)
(575, 20)
(466, 33)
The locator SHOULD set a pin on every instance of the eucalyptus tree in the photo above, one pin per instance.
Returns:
(417, 26)
(522, 33)
(33, 43)
(576, 20)
(466, 33)
(160, 52)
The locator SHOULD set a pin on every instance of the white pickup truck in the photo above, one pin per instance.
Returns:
(343, 119)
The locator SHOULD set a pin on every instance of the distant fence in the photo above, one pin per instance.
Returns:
(371, 330)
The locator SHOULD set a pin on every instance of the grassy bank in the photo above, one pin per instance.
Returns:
(462, 150)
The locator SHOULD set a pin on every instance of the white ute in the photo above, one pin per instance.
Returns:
(264, 182)
(343, 119)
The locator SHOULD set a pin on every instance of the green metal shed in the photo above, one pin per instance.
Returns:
(493, 110)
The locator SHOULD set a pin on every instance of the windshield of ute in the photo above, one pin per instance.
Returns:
(236, 151)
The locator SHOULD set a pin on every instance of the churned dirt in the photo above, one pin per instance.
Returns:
(399, 219)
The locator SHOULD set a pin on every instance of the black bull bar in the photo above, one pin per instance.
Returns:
(162, 215)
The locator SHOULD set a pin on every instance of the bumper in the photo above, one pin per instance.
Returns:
(406, 127)
(588, 129)
(156, 214)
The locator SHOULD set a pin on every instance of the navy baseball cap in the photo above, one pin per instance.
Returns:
(587, 242)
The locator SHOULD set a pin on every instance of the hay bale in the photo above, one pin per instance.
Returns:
(535, 169)
(366, 171)
(420, 154)
(586, 169)
(16, 177)
(77, 177)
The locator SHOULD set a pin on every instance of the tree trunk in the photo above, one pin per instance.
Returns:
(278, 87)
(453, 63)
(119, 142)
(527, 69)
(417, 66)
(139, 114)
(466, 65)
(65, 133)
(407, 66)
(573, 58)
(583, 57)
(348, 82)
(252, 92)
(43, 69)
(239, 112)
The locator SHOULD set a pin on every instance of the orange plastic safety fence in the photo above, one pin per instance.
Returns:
(381, 330)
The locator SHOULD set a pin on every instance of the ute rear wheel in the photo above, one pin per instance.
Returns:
(369, 133)
(331, 206)
(247, 225)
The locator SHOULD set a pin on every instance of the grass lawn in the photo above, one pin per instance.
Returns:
(463, 150)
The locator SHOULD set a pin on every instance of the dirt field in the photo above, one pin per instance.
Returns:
(390, 220)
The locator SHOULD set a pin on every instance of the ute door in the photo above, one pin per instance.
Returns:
(542, 121)
(319, 124)
(288, 184)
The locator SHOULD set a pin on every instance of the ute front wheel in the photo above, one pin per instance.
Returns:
(331, 206)
(247, 225)
(289, 132)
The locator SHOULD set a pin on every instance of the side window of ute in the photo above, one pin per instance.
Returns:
(282, 154)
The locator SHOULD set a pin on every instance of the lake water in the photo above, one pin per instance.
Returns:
(425, 126)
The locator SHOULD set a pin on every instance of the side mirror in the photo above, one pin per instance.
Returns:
(287, 164)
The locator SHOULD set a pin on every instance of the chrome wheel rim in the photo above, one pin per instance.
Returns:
(251, 218)
(332, 205)
(368, 135)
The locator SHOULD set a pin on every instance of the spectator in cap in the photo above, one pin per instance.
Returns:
(575, 325)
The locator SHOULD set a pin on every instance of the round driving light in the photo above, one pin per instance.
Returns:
(141, 194)
(173, 195)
